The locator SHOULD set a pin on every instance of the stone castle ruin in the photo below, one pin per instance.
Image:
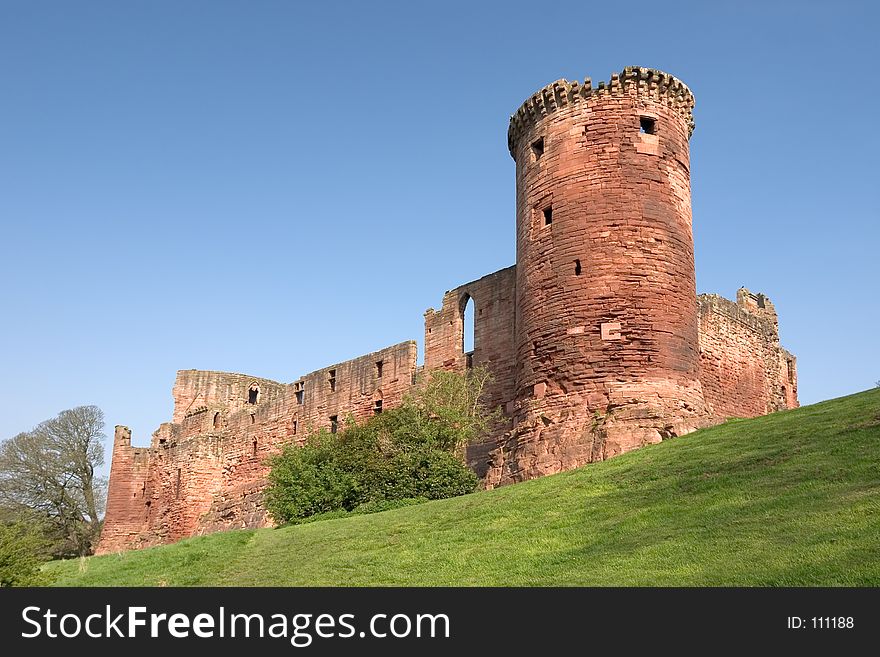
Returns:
(596, 338)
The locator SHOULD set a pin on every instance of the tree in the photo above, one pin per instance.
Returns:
(450, 408)
(50, 472)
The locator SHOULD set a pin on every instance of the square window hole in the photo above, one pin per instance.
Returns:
(647, 125)
(538, 148)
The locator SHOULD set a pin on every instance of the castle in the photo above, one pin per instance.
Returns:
(596, 339)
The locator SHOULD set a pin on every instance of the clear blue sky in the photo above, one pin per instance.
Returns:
(271, 187)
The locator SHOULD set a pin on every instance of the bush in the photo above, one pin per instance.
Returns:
(430, 473)
(311, 479)
(410, 452)
(22, 549)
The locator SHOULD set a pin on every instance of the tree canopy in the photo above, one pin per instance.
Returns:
(48, 475)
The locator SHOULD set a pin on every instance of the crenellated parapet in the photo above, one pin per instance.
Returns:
(647, 82)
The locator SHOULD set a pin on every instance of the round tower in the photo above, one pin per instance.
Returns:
(606, 310)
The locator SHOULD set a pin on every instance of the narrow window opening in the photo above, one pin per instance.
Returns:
(294, 427)
(647, 125)
(334, 423)
(299, 391)
(548, 215)
(377, 407)
(253, 394)
(468, 319)
(577, 267)
(469, 360)
(216, 420)
(253, 418)
(379, 364)
(538, 148)
(255, 447)
(332, 380)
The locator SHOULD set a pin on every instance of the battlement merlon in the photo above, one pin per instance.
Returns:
(122, 436)
(754, 301)
(649, 82)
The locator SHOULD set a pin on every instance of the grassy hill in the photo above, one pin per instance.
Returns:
(788, 499)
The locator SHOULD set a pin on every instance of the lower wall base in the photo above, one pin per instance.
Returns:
(557, 434)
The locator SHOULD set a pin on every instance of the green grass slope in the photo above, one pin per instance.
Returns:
(788, 499)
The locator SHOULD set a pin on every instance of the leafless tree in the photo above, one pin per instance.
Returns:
(49, 473)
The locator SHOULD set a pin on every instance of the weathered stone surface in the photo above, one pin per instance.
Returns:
(596, 339)
(206, 471)
(744, 370)
(494, 298)
(606, 316)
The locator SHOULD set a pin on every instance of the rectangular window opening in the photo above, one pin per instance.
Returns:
(332, 380)
(538, 148)
(295, 423)
(334, 423)
(299, 391)
(548, 215)
(377, 407)
(647, 125)
(379, 364)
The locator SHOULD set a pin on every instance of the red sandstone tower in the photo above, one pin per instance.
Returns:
(607, 355)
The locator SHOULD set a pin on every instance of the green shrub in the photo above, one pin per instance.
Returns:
(429, 473)
(311, 479)
(410, 452)
(22, 550)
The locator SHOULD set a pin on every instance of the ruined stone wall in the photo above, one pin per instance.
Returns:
(195, 390)
(494, 298)
(595, 339)
(743, 369)
(207, 471)
(127, 499)
(606, 319)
